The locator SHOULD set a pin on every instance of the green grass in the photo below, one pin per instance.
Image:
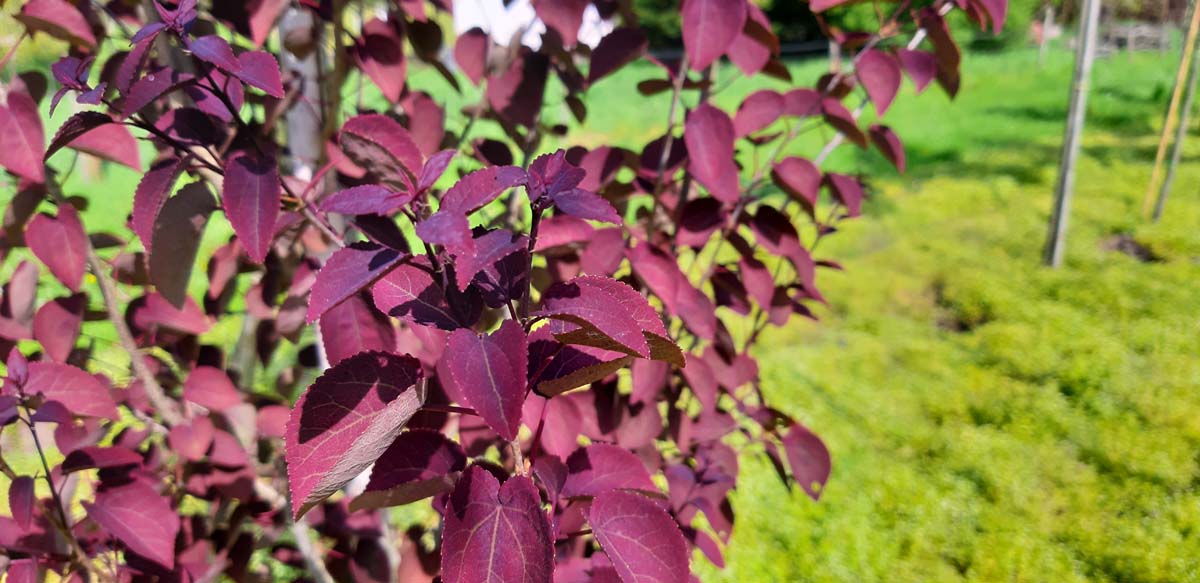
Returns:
(989, 419)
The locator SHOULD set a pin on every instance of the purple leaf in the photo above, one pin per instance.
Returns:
(348, 271)
(192, 440)
(818, 6)
(426, 122)
(560, 368)
(562, 16)
(59, 19)
(756, 44)
(92, 457)
(345, 421)
(662, 275)
(847, 190)
(490, 371)
(709, 135)
(57, 323)
(250, 194)
(215, 50)
(434, 167)
(78, 390)
(151, 86)
(889, 144)
(140, 518)
(800, 179)
(448, 229)
(808, 458)
(380, 55)
(211, 387)
(134, 61)
(157, 311)
(880, 76)
(75, 126)
(480, 187)
(178, 231)
(383, 147)
(586, 303)
(643, 541)
(419, 464)
(843, 121)
(355, 326)
(758, 111)
(490, 248)
(698, 220)
(470, 53)
(949, 57)
(517, 94)
(111, 142)
(709, 28)
(615, 50)
(409, 292)
(921, 67)
(21, 137)
(586, 205)
(365, 200)
(60, 243)
(600, 467)
(21, 499)
(496, 533)
(259, 69)
(802, 103)
(604, 252)
(150, 196)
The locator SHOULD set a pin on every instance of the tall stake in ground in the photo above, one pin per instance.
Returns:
(1084, 56)
(1180, 133)
(1185, 61)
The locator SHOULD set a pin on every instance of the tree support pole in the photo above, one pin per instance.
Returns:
(1185, 62)
(1085, 56)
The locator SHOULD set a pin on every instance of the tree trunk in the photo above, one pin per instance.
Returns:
(1088, 23)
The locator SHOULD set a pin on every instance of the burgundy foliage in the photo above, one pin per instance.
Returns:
(550, 348)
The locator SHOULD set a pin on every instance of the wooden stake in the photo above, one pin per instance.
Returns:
(1173, 109)
(1180, 134)
(1084, 57)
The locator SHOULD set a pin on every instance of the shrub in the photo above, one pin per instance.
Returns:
(540, 344)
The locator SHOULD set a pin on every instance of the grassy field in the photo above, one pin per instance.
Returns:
(990, 420)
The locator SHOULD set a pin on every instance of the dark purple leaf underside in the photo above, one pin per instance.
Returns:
(889, 145)
(642, 540)
(843, 121)
(345, 421)
(21, 499)
(754, 47)
(91, 457)
(496, 533)
(177, 234)
(75, 126)
(615, 50)
(419, 464)
(216, 51)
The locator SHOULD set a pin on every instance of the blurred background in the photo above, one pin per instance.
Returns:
(990, 419)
